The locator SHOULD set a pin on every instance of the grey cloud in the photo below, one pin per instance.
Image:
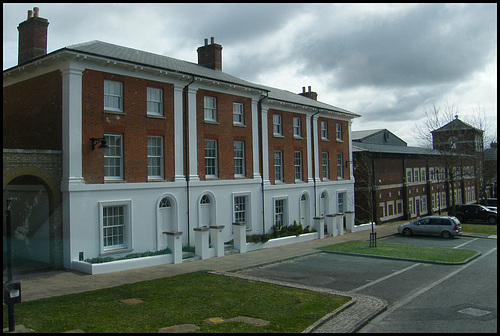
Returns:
(429, 44)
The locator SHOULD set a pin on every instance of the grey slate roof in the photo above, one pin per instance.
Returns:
(456, 125)
(360, 147)
(374, 141)
(113, 51)
(116, 52)
(378, 136)
(490, 154)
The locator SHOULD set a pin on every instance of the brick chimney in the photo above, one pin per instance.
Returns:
(309, 94)
(210, 55)
(32, 37)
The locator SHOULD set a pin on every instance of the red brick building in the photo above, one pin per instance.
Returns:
(396, 181)
(148, 144)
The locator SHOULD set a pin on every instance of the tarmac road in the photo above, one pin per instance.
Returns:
(421, 297)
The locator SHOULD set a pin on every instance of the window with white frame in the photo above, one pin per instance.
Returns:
(279, 212)
(422, 175)
(210, 109)
(210, 158)
(338, 133)
(155, 157)
(324, 130)
(340, 166)
(340, 202)
(113, 157)
(115, 225)
(297, 130)
(416, 172)
(410, 206)
(431, 174)
(278, 166)
(239, 159)
(324, 166)
(154, 101)
(423, 204)
(409, 175)
(298, 165)
(113, 96)
(277, 125)
(238, 113)
(240, 209)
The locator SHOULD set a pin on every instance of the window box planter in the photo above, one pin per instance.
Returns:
(121, 265)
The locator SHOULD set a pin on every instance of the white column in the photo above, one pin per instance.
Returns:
(240, 237)
(201, 242)
(351, 173)
(72, 126)
(310, 150)
(319, 224)
(178, 134)
(217, 241)
(255, 139)
(174, 241)
(193, 136)
(331, 225)
(265, 147)
(317, 154)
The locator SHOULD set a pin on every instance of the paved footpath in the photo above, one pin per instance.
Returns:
(347, 319)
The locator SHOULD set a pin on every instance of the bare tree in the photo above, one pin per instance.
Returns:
(460, 149)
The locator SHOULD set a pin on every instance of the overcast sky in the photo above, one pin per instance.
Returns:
(385, 62)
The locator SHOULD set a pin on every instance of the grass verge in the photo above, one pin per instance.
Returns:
(184, 299)
(477, 228)
(421, 253)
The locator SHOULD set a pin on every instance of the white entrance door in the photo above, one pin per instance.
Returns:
(323, 204)
(304, 211)
(166, 223)
(205, 211)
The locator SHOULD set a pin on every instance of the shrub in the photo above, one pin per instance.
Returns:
(100, 260)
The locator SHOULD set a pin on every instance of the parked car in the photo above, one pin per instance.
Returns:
(488, 202)
(445, 226)
(473, 212)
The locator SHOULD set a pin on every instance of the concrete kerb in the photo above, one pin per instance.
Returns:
(407, 259)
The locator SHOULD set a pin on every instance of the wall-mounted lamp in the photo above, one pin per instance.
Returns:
(95, 141)
(347, 163)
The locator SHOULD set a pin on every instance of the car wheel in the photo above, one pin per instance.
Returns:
(407, 232)
(492, 220)
(446, 234)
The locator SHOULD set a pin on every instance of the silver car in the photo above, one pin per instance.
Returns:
(445, 226)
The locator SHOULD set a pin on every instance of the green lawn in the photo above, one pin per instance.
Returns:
(184, 299)
(416, 252)
(477, 228)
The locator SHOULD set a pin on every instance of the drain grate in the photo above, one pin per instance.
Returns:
(474, 312)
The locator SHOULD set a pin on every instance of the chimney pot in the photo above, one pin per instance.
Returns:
(32, 37)
(310, 94)
(210, 55)
(212, 40)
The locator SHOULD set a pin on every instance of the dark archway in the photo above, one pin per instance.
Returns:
(36, 222)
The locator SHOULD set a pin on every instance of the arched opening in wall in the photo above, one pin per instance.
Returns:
(33, 240)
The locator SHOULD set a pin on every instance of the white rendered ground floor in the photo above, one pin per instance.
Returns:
(119, 219)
